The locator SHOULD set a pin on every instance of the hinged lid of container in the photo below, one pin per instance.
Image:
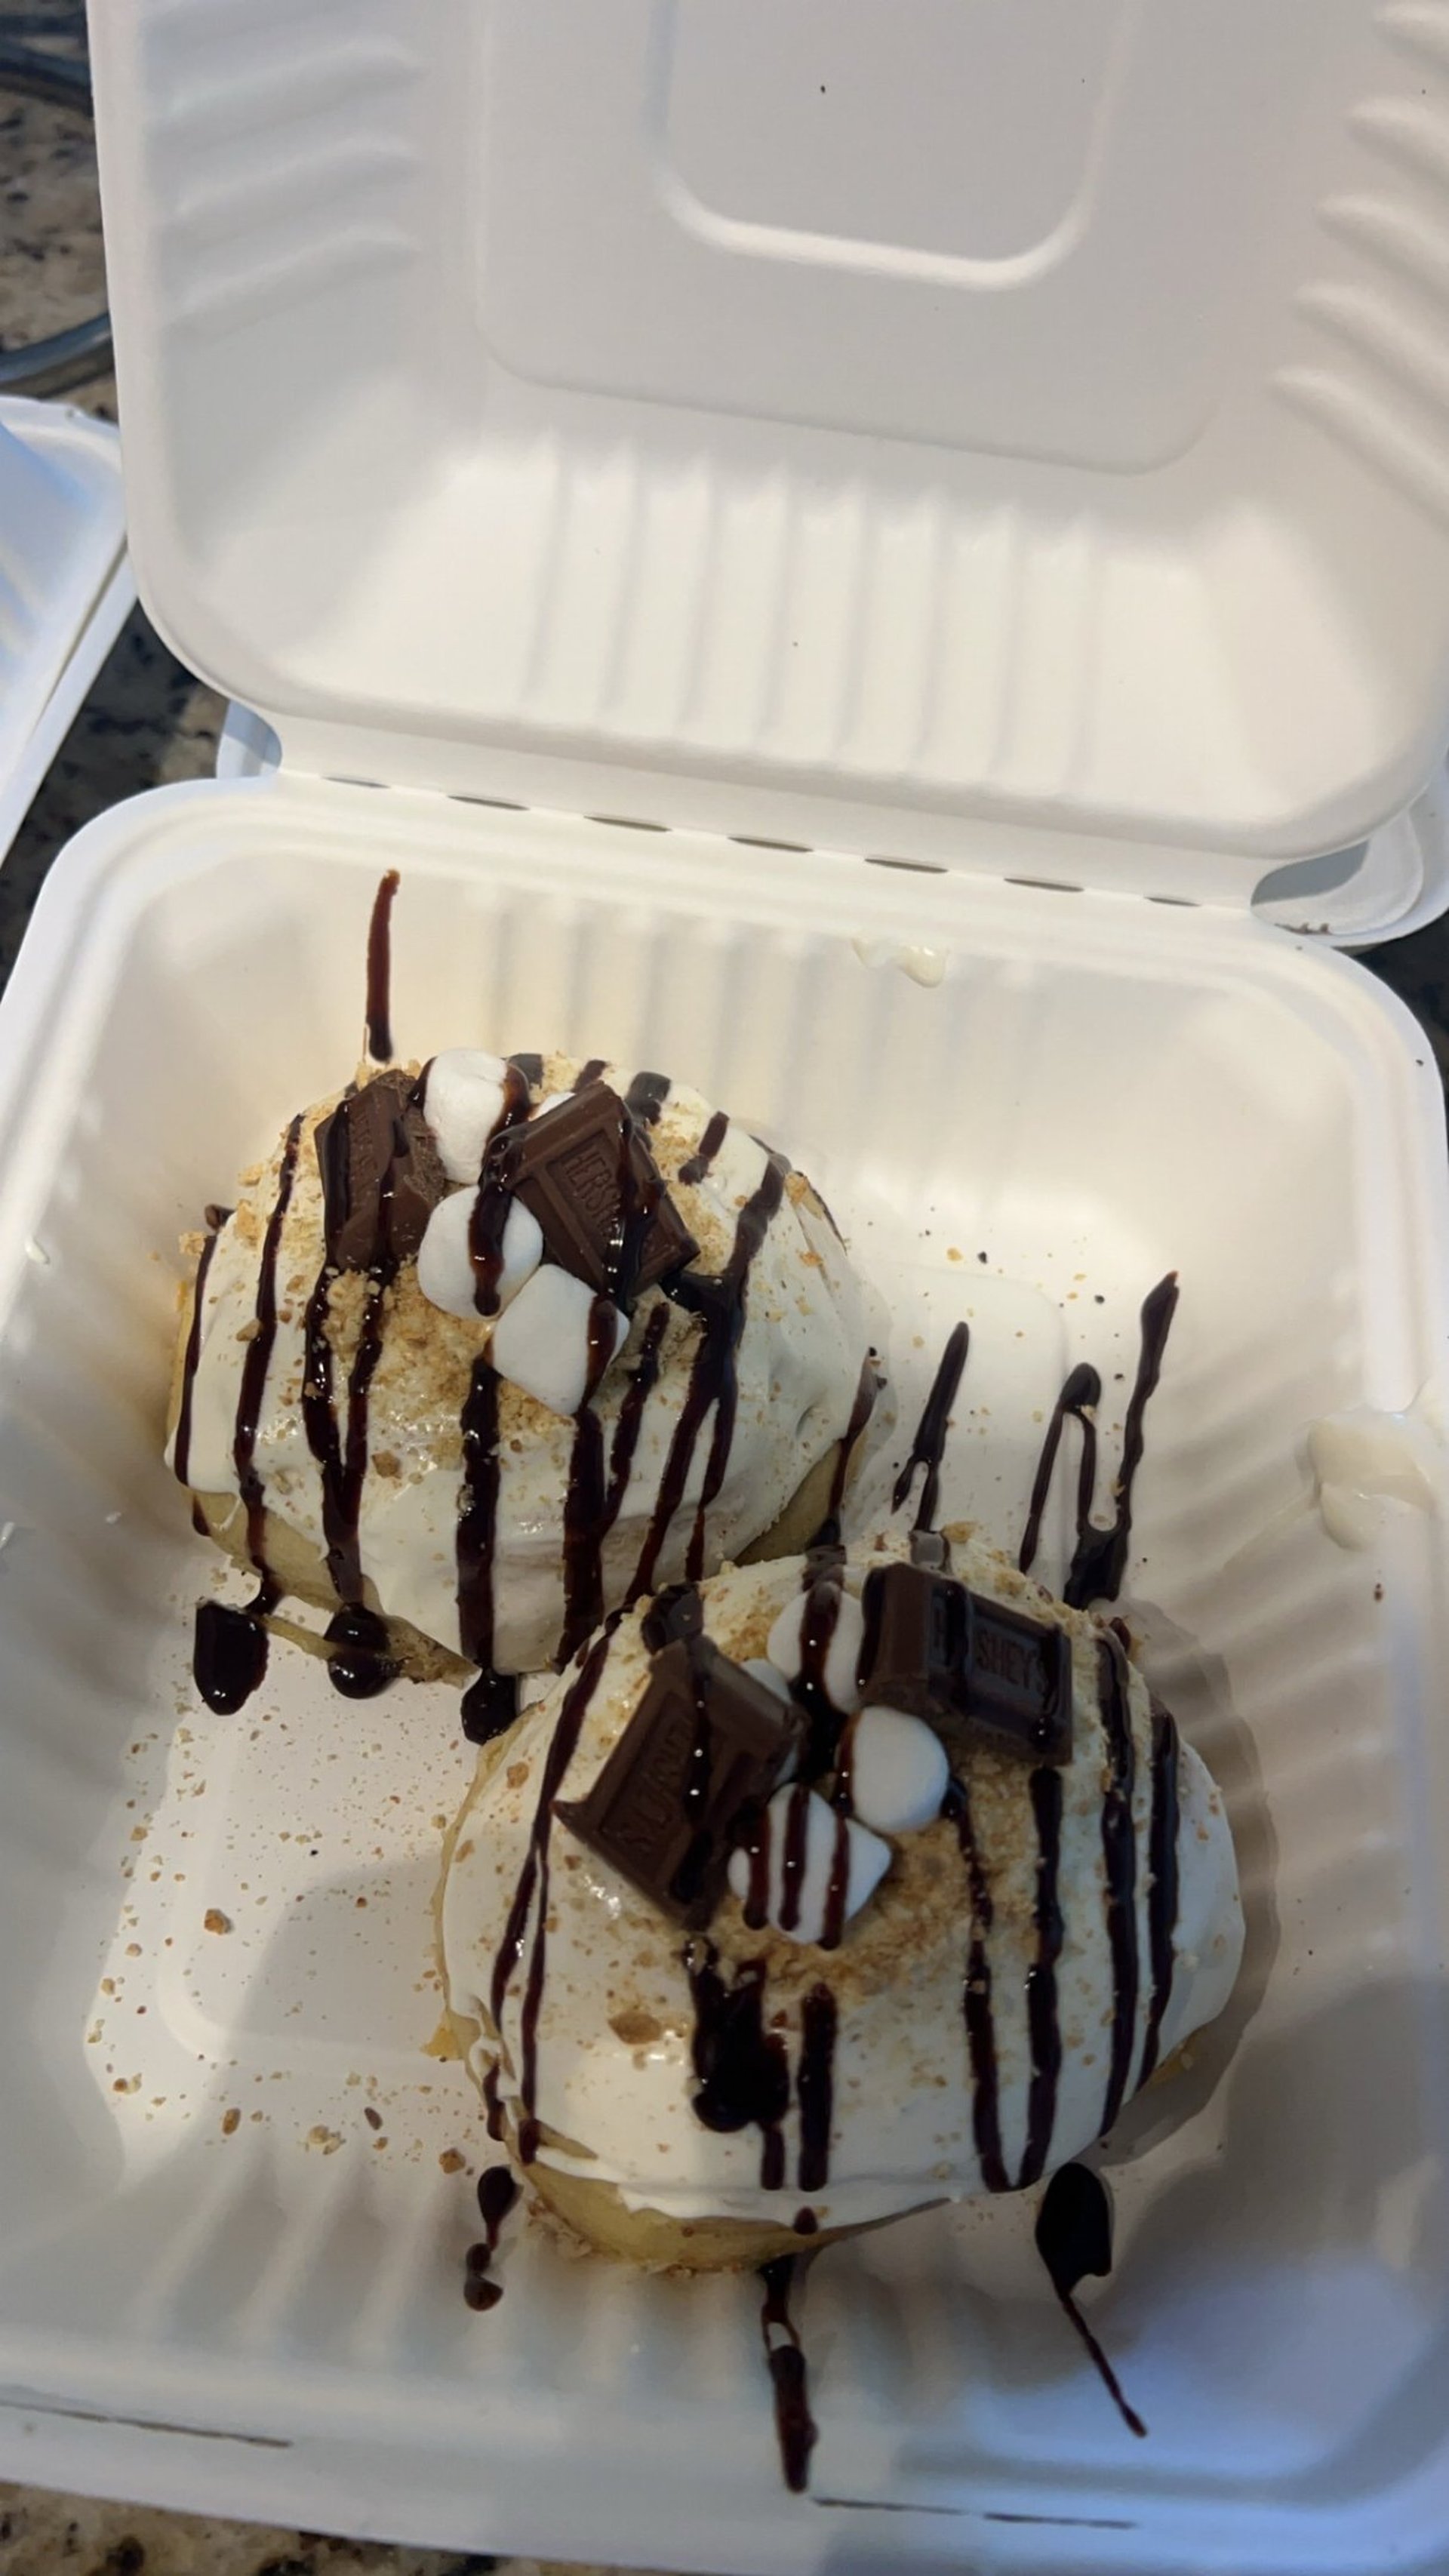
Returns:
(1012, 438)
(64, 583)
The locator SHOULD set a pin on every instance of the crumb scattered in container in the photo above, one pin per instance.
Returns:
(215, 1921)
(327, 2139)
(451, 2161)
(230, 2123)
(373, 2118)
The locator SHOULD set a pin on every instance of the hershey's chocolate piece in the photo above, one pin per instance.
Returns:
(917, 1638)
(382, 1175)
(586, 1172)
(705, 1742)
(940, 1652)
(1019, 1683)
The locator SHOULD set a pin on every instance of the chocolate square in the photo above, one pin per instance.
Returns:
(706, 1742)
(586, 1172)
(917, 1638)
(381, 1172)
(939, 1652)
(1019, 1683)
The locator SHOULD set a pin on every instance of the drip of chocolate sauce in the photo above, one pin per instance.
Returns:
(1099, 1559)
(976, 1999)
(709, 1144)
(1078, 1401)
(866, 1393)
(362, 1662)
(229, 1656)
(530, 1070)
(379, 971)
(490, 1706)
(1162, 1861)
(794, 2424)
(823, 1582)
(1119, 1862)
(1043, 2026)
(497, 2192)
(928, 1447)
(720, 1304)
(1074, 2238)
(589, 1073)
(526, 1929)
(815, 2087)
(494, 2120)
(646, 1096)
(743, 2069)
(489, 1219)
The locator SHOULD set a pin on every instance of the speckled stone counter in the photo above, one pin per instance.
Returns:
(149, 720)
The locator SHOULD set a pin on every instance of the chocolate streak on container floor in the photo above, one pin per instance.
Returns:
(497, 2192)
(1099, 1559)
(795, 2426)
(1073, 2238)
(379, 971)
(533, 1882)
(928, 1447)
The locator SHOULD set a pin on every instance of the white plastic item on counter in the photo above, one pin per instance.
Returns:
(1006, 445)
(65, 584)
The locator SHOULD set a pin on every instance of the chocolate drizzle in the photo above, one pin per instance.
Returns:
(1099, 1559)
(1073, 2238)
(490, 1706)
(494, 1199)
(743, 2069)
(1078, 1400)
(693, 1172)
(362, 1662)
(493, 2119)
(1162, 1861)
(478, 1516)
(815, 2087)
(1043, 2024)
(928, 1447)
(794, 2424)
(720, 1305)
(646, 1096)
(497, 2192)
(866, 1393)
(530, 1896)
(258, 1361)
(379, 971)
(229, 1656)
(181, 1454)
(824, 1586)
(1119, 1859)
(976, 2000)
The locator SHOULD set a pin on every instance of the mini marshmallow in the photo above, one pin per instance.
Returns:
(445, 1265)
(867, 1860)
(768, 1675)
(542, 1342)
(898, 1771)
(462, 1103)
(842, 1656)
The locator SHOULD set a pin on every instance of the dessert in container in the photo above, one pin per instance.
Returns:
(1023, 465)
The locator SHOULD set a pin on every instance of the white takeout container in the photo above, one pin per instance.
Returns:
(834, 545)
(65, 583)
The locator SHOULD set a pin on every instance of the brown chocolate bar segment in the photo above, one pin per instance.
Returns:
(1019, 1684)
(382, 1175)
(939, 1652)
(706, 1743)
(586, 1172)
(916, 1642)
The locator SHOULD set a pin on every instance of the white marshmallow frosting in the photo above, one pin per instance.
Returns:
(616, 2079)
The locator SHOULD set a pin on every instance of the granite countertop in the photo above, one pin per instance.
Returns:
(149, 719)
